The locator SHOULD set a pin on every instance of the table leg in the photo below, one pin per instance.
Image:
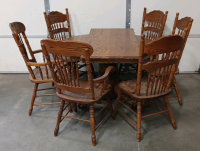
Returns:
(113, 77)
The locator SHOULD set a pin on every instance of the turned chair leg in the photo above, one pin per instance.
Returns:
(92, 123)
(177, 92)
(33, 98)
(117, 102)
(120, 68)
(70, 108)
(138, 121)
(111, 108)
(59, 117)
(93, 72)
(170, 113)
(75, 107)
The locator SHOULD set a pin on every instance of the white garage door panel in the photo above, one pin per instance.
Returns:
(184, 7)
(29, 12)
(11, 59)
(190, 59)
(87, 14)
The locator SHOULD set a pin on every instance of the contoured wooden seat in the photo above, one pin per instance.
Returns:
(38, 75)
(70, 88)
(155, 85)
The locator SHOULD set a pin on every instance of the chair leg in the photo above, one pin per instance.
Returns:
(120, 68)
(33, 98)
(92, 123)
(93, 72)
(117, 103)
(177, 91)
(170, 113)
(70, 108)
(111, 108)
(139, 117)
(75, 107)
(59, 117)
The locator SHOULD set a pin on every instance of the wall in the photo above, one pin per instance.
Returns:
(28, 12)
(87, 14)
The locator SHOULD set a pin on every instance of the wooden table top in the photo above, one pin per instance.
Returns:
(112, 45)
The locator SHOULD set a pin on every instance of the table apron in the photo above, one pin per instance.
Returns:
(131, 61)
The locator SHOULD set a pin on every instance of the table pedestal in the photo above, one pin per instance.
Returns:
(113, 77)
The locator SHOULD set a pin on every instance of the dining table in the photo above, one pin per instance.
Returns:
(111, 46)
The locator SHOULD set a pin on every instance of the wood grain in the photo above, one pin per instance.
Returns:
(181, 27)
(71, 89)
(38, 75)
(111, 45)
(157, 84)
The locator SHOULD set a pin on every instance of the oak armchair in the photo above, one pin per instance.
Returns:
(70, 88)
(178, 29)
(157, 84)
(39, 72)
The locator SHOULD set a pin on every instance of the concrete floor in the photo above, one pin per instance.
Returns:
(20, 132)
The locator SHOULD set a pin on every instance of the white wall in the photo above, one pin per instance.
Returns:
(29, 12)
(87, 14)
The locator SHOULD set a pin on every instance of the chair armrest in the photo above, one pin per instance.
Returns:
(103, 77)
(37, 51)
(36, 64)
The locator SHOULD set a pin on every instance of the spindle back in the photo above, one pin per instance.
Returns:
(181, 24)
(161, 69)
(153, 24)
(66, 72)
(18, 31)
(58, 25)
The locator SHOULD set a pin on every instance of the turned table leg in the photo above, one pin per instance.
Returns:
(113, 77)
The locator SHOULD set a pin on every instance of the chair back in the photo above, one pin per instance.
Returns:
(181, 25)
(153, 24)
(66, 72)
(58, 25)
(18, 31)
(160, 70)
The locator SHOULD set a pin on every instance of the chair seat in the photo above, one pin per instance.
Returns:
(38, 78)
(84, 98)
(130, 88)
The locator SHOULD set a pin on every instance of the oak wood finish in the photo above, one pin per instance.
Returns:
(152, 26)
(71, 89)
(155, 85)
(178, 29)
(38, 75)
(155, 22)
(58, 25)
(59, 29)
(111, 45)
